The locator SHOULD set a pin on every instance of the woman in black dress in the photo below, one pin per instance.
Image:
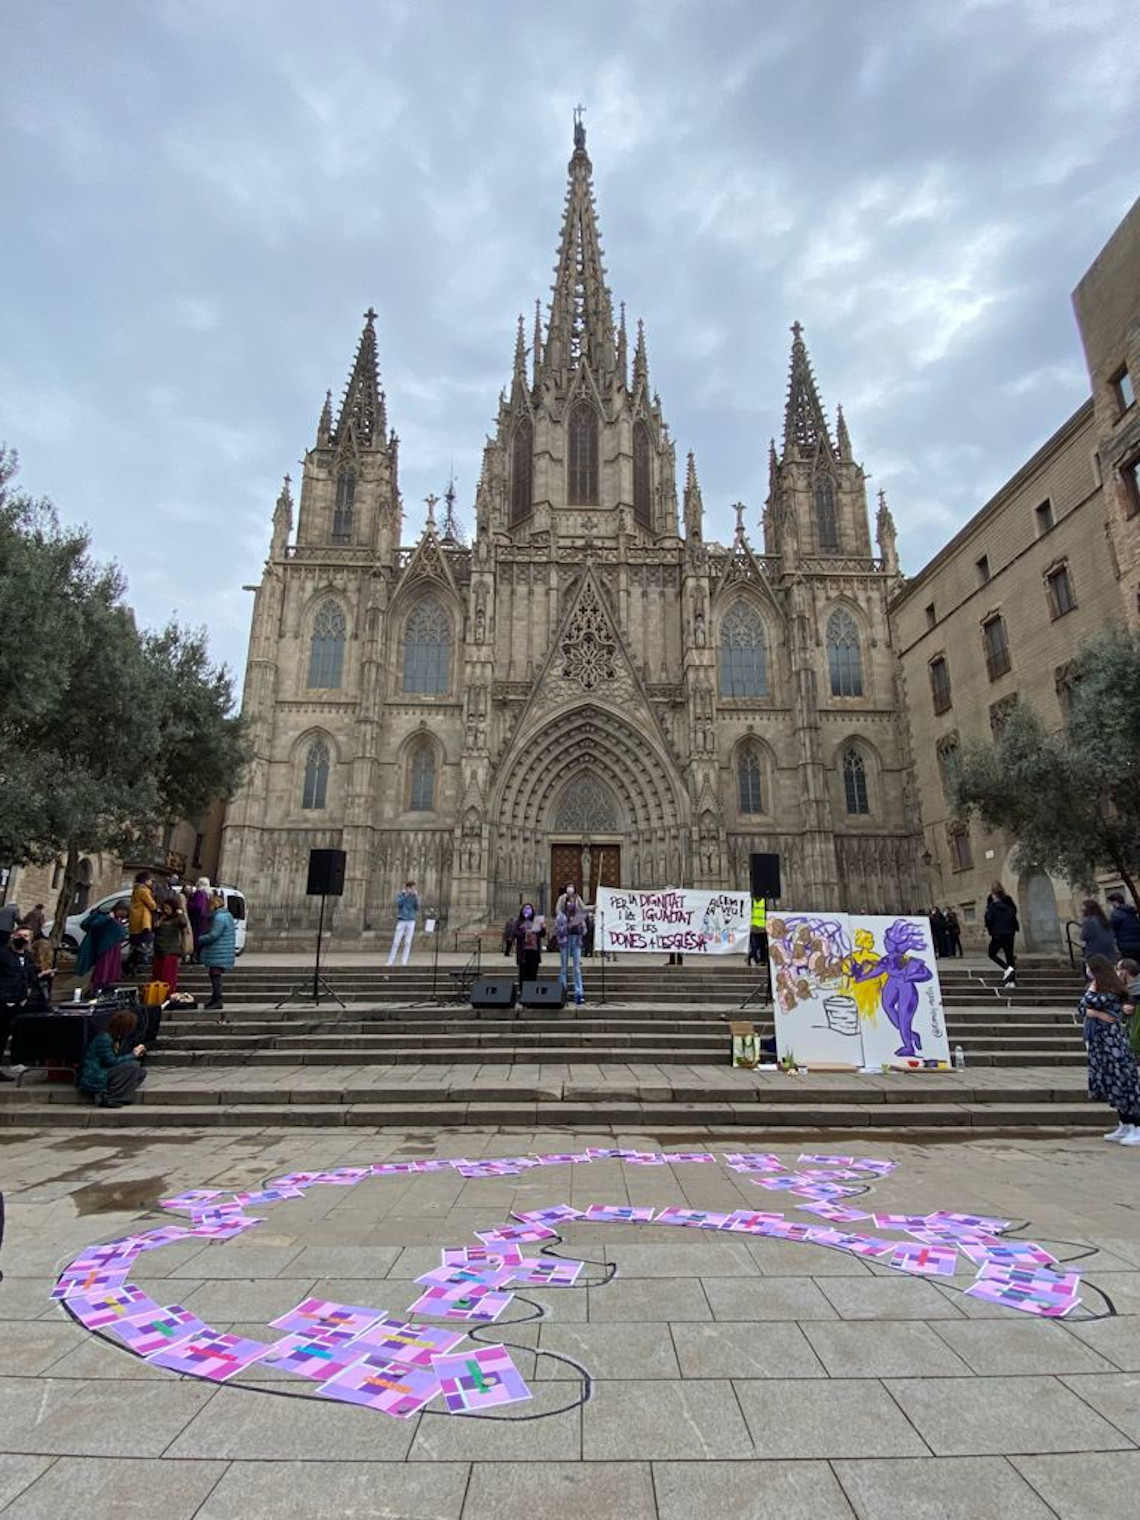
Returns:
(529, 931)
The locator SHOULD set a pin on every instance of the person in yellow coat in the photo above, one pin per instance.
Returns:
(140, 923)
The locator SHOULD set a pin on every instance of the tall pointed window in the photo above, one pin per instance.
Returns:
(345, 502)
(522, 453)
(326, 650)
(743, 653)
(427, 649)
(826, 522)
(748, 779)
(316, 785)
(844, 662)
(642, 494)
(421, 779)
(582, 482)
(855, 782)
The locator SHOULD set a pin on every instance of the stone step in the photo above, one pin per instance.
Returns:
(530, 1055)
(660, 1119)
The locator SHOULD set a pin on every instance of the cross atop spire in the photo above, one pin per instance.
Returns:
(362, 412)
(805, 426)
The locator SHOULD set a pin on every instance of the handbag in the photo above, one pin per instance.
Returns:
(154, 994)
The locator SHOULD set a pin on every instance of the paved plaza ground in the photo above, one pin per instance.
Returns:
(735, 1377)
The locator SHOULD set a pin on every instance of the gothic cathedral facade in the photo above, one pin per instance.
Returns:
(591, 690)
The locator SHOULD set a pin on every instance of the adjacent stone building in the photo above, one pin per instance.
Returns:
(591, 690)
(999, 614)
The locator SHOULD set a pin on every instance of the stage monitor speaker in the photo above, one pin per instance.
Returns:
(765, 870)
(493, 992)
(550, 992)
(326, 873)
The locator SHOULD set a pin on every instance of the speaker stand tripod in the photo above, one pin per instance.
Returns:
(302, 989)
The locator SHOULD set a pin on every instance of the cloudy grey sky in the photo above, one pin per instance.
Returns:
(201, 198)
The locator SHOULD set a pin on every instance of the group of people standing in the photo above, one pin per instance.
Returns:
(946, 932)
(160, 934)
(528, 935)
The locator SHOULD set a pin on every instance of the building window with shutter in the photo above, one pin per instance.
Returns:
(996, 642)
(940, 684)
(1059, 590)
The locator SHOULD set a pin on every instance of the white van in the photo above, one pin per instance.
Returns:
(73, 934)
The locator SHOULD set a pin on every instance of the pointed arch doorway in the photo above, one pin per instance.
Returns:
(585, 846)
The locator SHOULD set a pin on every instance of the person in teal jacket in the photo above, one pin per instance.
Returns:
(112, 1065)
(217, 948)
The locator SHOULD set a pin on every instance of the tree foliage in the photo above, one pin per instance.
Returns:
(107, 735)
(1070, 798)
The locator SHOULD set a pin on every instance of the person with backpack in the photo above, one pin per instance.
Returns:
(1003, 927)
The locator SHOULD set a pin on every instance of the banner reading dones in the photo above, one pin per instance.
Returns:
(675, 919)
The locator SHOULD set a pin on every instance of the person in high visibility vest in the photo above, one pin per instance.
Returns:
(758, 937)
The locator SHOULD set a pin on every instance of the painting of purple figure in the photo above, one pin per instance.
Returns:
(817, 1016)
(909, 1021)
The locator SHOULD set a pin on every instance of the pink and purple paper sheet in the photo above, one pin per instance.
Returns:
(557, 1213)
(827, 1160)
(481, 1379)
(267, 1195)
(616, 1213)
(837, 1213)
(464, 1278)
(225, 1229)
(516, 1234)
(99, 1310)
(192, 1199)
(483, 1305)
(165, 1235)
(475, 1256)
(869, 1245)
(311, 1356)
(698, 1219)
(316, 1314)
(397, 1388)
(563, 1158)
(392, 1169)
(399, 1341)
(341, 1176)
(688, 1158)
(78, 1281)
(158, 1329)
(546, 1274)
(783, 1184)
(757, 1161)
(651, 1158)
(1009, 1254)
(1048, 1294)
(900, 1221)
(210, 1354)
(873, 1168)
(942, 1218)
(925, 1261)
(749, 1222)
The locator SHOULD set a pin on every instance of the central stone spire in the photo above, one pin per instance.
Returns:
(581, 326)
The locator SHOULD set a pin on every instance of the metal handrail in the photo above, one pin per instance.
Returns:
(1074, 960)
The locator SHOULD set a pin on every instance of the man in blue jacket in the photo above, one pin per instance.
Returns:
(407, 907)
(1125, 926)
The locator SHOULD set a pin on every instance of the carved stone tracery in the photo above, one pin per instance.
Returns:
(589, 648)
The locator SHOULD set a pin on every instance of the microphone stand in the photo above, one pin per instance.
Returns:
(602, 929)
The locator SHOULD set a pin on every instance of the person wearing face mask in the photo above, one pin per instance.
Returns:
(16, 976)
(528, 942)
(570, 930)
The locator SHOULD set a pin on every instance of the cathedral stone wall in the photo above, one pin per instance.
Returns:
(590, 690)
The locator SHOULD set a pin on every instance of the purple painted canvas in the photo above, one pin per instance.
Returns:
(546, 1274)
(700, 1219)
(311, 1356)
(923, 1260)
(480, 1379)
(557, 1213)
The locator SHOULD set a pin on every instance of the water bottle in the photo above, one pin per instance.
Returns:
(959, 1058)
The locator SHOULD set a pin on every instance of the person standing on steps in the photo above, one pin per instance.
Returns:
(953, 933)
(758, 933)
(528, 942)
(141, 921)
(570, 932)
(1125, 924)
(1097, 937)
(216, 950)
(16, 973)
(407, 910)
(1113, 1077)
(1002, 926)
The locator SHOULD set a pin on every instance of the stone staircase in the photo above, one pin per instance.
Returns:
(653, 1057)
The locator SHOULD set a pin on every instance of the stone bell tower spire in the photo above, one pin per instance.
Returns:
(581, 326)
(363, 417)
